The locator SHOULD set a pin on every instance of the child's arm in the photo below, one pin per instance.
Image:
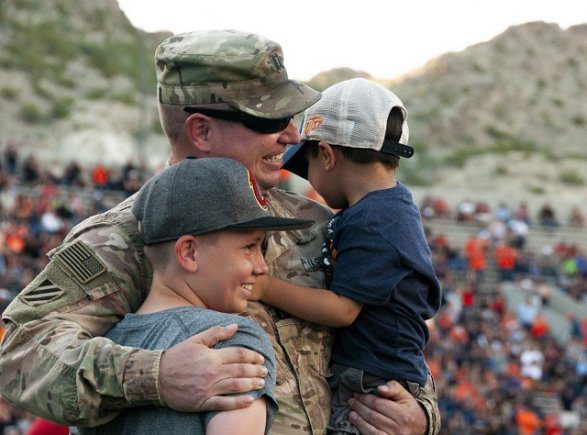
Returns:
(316, 305)
(246, 421)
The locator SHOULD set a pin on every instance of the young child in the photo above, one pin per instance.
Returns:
(382, 286)
(203, 223)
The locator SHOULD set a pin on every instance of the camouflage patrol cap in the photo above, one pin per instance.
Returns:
(227, 66)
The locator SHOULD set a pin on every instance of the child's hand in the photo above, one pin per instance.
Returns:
(259, 288)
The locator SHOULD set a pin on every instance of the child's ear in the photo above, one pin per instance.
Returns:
(197, 128)
(186, 253)
(326, 155)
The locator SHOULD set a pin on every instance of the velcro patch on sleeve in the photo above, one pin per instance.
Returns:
(81, 262)
(46, 292)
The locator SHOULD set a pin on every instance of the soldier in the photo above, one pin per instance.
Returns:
(221, 94)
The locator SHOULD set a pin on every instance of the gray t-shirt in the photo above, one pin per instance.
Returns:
(164, 329)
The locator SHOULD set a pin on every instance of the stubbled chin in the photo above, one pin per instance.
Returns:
(268, 180)
(265, 186)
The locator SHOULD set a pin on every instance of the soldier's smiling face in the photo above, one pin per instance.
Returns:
(261, 153)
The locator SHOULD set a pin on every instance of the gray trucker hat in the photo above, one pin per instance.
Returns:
(198, 196)
(352, 114)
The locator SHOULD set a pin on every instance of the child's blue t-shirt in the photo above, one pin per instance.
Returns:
(379, 256)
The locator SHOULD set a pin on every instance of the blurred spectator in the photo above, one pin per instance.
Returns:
(11, 158)
(440, 207)
(132, 181)
(547, 216)
(73, 175)
(576, 331)
(100, 176)
(427, 207)
(528, 421)
(466, 211)
(505, 258)
(527, 311)
(540, 326)
(482, 212)
(31, 173)
(521, 213)
(518, 232)
(503, 213)
(476, 248)
(50, 222)
(434, 207)
(576, 218)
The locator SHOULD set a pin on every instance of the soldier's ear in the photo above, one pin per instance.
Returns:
(197, 128)
(186, 253)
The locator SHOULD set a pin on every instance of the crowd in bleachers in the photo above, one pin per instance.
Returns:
(479, 211)
(39, 204)
(500, 238)
(498, 369)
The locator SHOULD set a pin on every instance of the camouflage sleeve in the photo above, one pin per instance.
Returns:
(428, 400)
(53, 360)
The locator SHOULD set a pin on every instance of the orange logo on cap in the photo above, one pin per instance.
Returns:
(257, 193)
(312, 123)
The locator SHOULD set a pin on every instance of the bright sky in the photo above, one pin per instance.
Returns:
(386, 38)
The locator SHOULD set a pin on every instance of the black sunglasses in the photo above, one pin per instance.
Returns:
(261, 125)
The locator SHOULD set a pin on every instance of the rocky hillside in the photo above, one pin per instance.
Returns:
(507, 117)
(76, 80)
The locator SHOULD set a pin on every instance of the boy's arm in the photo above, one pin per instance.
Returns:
(316, 305)
(247, 421)
(257, 418)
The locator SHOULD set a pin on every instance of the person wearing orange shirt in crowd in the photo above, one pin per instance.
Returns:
(540, 326)
(15, 238)
(476, 252)
(505, 257)
(468, 295)
(527, 420)
(100, 176)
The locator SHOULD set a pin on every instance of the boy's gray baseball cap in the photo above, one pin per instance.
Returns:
(227, 66)
(352, 113)
(198, 196)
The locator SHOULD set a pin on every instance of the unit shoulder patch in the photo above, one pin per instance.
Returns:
(45, 292)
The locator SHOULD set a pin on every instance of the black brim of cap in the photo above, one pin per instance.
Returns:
(272, 223)
(295, 161)
(397, 149)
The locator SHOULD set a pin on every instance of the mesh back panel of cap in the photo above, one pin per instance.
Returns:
(355, 113)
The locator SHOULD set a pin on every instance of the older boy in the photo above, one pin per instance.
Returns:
(379, 269)
(203, 223)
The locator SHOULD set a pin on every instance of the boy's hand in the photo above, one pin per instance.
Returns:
(259, 288)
